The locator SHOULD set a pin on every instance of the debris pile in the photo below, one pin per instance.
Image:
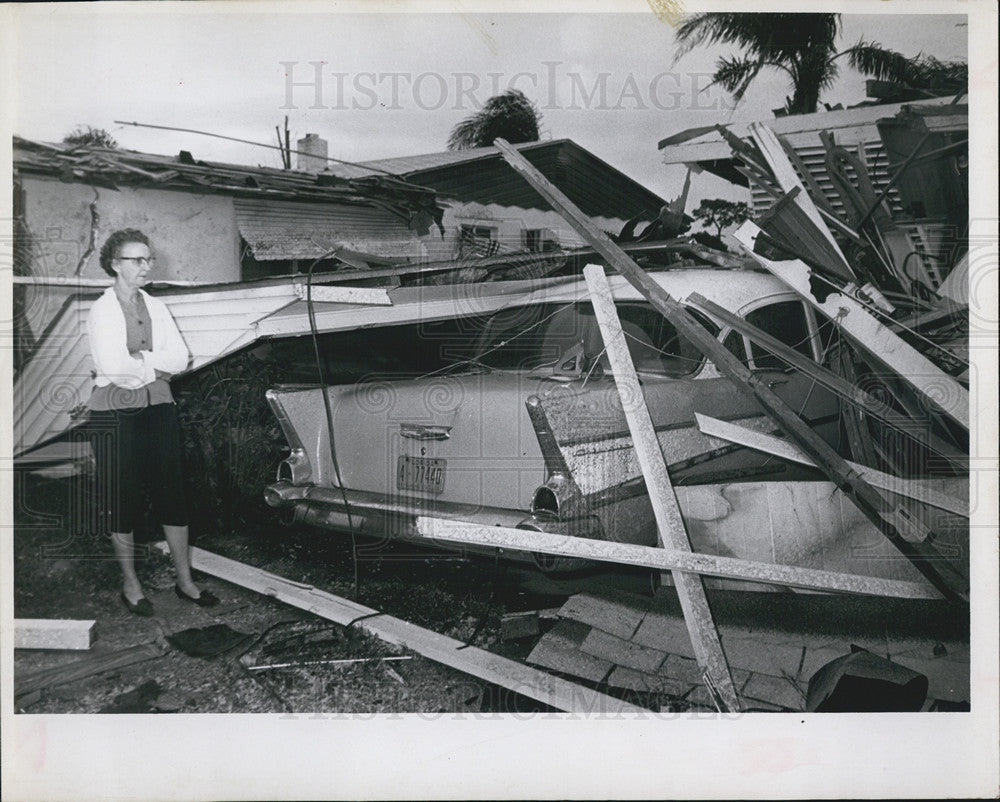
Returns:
(853, 264)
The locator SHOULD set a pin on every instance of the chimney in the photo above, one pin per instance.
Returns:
(312, 153)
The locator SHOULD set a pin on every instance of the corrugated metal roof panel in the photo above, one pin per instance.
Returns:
(309, 230)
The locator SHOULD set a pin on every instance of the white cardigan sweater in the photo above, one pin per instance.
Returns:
(108, 347)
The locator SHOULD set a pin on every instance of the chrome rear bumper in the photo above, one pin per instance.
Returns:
(393, 517)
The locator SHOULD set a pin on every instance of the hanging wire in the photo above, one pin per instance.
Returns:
(503, 344)
(884, 315)
(311, 312)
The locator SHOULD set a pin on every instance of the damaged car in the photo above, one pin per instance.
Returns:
(529, 432)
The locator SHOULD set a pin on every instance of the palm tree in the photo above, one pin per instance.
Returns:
(804, 46)
(510, 115)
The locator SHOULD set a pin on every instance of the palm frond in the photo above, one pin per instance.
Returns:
(735, 74)
(930, 73)
(874, 60)
(510, 115)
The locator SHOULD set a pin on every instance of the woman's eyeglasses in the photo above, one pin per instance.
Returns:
(139, 260)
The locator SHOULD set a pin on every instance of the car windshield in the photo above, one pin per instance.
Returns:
(530, 338)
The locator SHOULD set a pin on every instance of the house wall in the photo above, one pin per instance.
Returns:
(193, 236)
(509, 223)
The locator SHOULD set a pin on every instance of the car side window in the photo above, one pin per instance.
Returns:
(735, 344)
(785, 321)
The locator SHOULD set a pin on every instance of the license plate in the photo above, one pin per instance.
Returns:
(420, 473)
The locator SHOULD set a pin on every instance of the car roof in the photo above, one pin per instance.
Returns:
(734, 290)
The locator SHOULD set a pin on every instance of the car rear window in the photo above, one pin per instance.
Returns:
(529, 338)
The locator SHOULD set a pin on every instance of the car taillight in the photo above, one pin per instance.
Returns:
(296, 469)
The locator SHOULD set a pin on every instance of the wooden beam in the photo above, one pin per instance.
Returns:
(87, 667)
(784, 173)
(669, 523)
(377, 296)
(911, 539)
(834, 382)
(866, 330)
(53, 633)
(918, 490)
(666, 559)
(538, 685)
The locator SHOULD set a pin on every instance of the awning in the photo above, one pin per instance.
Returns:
(289, 230)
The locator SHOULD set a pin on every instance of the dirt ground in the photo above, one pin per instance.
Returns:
(59, 574)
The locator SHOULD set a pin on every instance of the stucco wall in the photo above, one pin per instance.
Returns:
(194, 237)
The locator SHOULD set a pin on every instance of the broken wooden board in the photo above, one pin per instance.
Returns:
(376, 296)
(875, 338)
(916, 429)
(87, 667)
(530, 682)
(672, 559)
(926, 490)
(53, 633)
(772, 151)
(669, 522)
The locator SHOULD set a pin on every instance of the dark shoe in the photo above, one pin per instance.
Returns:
(142, 607)
(206, 599)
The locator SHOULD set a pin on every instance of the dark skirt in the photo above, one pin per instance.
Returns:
(138, 450)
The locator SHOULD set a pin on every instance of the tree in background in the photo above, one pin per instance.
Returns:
(721, 214)
(88, 135)
(804, 46)
(509, 115)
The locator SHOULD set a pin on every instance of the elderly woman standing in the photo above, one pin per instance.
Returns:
(136, 346)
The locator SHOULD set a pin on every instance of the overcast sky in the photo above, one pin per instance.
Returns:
(393, 85)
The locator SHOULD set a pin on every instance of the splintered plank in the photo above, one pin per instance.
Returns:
(53, 633)
(530, 682)
(865, 329)
(670, 524)
(784, 173)
(667, 559)
(835, 383)
(924, 490)
(87, 667)
(559, 650)
(618, 614)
